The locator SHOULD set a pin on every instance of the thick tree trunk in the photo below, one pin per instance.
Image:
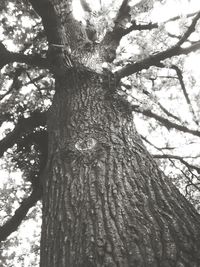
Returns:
(106, 203)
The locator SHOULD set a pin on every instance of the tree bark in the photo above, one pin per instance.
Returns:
(106, 203)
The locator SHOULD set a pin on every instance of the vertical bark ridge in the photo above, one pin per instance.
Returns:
(75, 48)
(106, 203)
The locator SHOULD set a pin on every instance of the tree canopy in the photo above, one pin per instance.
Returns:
(155, 58)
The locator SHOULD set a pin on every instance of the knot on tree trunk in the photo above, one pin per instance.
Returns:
(86, 144)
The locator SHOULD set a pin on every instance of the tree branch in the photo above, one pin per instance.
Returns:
(112, 38)
(23, 125)
(34, 80)
(13, 223)
(190, 30)
(140, 27)
(50, 21)
(34, 60)
(154, 60)
(169, 156)
(167, 123)
(178, 17)
(85, 6)
(168, 113)
(156, 147)
(185, 93)
(15, 82)
(7, 57)
(35, 177)
(190, 181)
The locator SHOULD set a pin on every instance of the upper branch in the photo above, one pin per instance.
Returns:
(169, 156)
(167, 123)
(23, 125)
(15, 82)
(190, 30)
(185, 93)
(140, 27)
(112, 38)
(9, 57)
(85, 6)
(50, 21)
(13, 223)
(35, 59)
(154, 60)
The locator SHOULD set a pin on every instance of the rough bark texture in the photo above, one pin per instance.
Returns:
(106, 203)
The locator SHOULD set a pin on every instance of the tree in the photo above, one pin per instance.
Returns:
(105, 200)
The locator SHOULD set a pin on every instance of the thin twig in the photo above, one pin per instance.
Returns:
(185, 93)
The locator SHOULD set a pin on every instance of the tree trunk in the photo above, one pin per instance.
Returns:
(106, 203)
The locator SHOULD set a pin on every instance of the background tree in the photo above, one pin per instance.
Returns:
(105, 202)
